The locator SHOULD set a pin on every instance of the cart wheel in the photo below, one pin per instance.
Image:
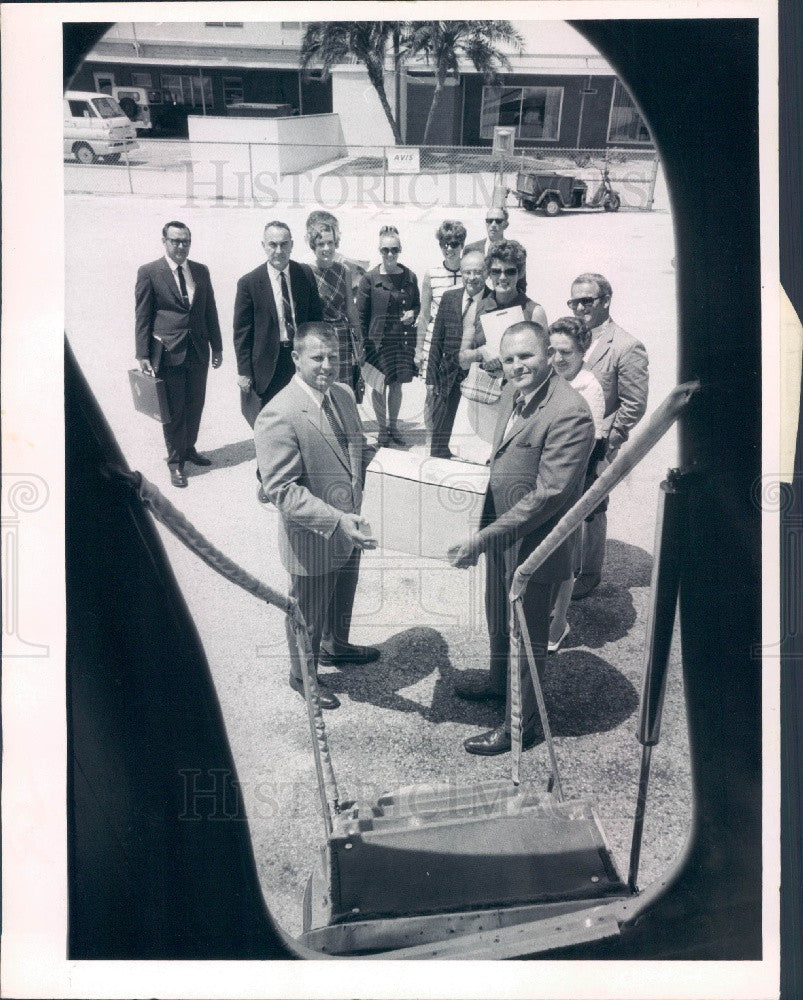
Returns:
(552, 206)
(612, 202)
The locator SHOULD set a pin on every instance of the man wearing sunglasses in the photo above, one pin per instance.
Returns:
(496, 222)
(620, 364)
(176, 324)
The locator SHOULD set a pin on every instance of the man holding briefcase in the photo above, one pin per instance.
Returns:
(176, 324)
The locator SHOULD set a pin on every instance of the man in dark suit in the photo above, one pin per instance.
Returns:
(456, 315)
(544, 437)
(620, 365)
(272, 301)
(176, 324)
(496, 222)
(312, 456)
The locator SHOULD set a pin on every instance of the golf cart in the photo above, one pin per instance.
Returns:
(553, 192)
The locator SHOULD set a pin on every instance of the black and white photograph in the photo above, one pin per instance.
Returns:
(415, 443)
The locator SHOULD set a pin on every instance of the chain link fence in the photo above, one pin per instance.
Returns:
(263, 174)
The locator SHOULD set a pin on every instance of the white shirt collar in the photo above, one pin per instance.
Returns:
(275, 272)
(174, 266)
(314, 394)
(598, 331)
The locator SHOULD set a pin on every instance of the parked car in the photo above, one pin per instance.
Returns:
(95, 127)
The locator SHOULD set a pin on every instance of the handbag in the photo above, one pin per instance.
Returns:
(357, 381)
(481, 387)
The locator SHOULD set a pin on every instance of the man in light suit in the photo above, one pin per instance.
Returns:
(272, 301)
(544, 437)
(176, 324)
(312, 457)
(620, 364)
(497, 220)
(456, 315)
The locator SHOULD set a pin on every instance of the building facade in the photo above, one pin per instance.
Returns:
(559, 93)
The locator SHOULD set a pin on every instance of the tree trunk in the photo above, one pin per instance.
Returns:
(436, 98)
(379, 86)
(397, 77)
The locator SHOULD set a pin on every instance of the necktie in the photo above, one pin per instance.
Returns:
(287, 307)
(335, 424)
(518, 407)
(182, 284)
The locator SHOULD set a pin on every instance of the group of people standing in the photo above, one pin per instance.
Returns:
(559, 402)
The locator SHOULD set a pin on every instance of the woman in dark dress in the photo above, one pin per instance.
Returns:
(334, 287)
(388, 303)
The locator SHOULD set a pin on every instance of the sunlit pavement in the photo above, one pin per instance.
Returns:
(399, 722)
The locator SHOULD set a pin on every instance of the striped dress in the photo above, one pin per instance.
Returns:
(440, 279)
(334, 285)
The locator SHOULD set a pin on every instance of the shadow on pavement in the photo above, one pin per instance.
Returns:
(224, 458)
(629, 565)
(584, 694)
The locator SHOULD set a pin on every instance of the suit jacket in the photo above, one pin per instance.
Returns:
(521, 284)
(380, 304)
(256, 319)
(163, 322)
(537, 474)
(620, 364)
(307, 476)
(443, 367)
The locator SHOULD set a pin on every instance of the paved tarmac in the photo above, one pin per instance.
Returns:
(399, 722)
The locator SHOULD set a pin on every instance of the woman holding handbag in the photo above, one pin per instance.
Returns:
(388, 303)
(334, 282)
(482, 387)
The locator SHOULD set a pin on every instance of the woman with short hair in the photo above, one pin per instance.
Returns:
(334, 288)
(388, 303)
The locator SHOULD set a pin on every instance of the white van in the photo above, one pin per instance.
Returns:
(95, 126)
(135, 105)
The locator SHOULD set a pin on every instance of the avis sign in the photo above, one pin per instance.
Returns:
(404, 160)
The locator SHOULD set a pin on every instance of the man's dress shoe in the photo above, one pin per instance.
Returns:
(477, 689)
(584, 586)
(196, 459)
(327, 698)
(177, 477)
(262, 496)
(351, 654)
(495, 741)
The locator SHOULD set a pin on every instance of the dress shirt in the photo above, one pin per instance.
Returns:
(314, 394)
(596, 335)
(276, 285)
(187, 277)
(470, 315)
(514, 415)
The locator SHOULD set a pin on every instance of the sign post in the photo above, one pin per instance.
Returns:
(504, 136)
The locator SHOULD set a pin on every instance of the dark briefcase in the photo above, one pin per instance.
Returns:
(150, 395)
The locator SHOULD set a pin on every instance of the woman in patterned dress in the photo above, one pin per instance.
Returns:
(334, 287)
(451, 237)
(388, 303)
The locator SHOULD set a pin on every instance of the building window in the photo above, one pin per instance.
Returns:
(141, 80)
(626, 124)
(533, 111)
(186, 90)
(232, 90)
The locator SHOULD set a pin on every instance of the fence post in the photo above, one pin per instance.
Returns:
(251, 174)
(651, 189)
(128, 168)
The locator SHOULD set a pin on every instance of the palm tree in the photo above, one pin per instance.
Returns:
(327, 43)
(445, 43)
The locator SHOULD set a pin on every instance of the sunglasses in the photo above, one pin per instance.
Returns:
(507, 271)
(386, 250)
(585, 301)
(452, 244)
(179, 243)
(500, 221)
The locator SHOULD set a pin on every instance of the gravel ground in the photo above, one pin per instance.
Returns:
(399, 722)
